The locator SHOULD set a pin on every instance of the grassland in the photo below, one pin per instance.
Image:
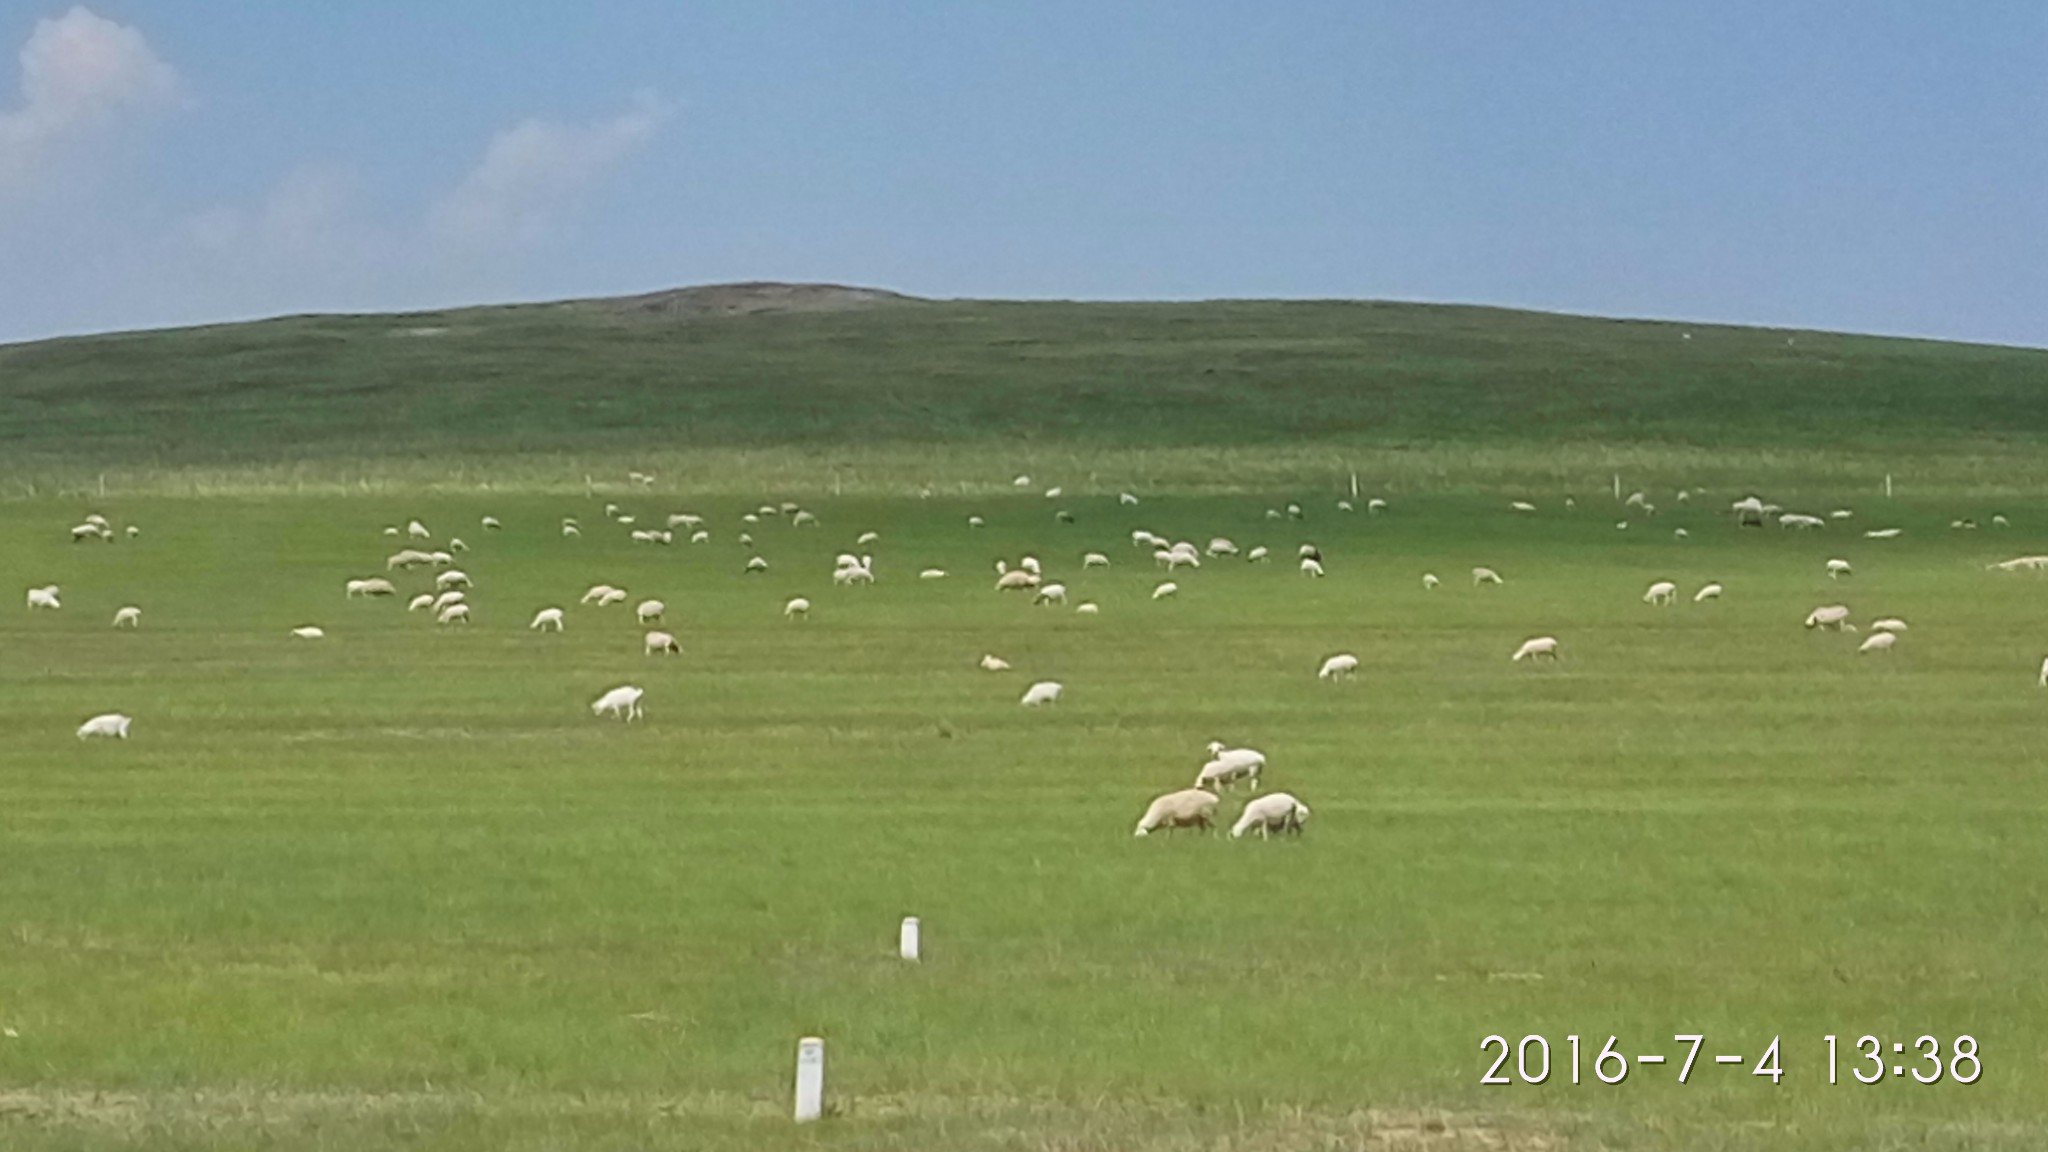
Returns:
(398, 889)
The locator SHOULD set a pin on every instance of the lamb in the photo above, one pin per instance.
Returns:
(1833, 616)
(659, 642)
(649, 611)
(1226, 766)
(1094, 560)
(1275, 811)
(623, 702)
(452, 578)
(545, 620)
(44, 597)
(1310, 568)
(1878, 642)
(798, 608)
(1706, 593)
(1166, 588)
(1030, 564)
(1537, 648)
(1662, 592)
(106, 724)
(1838, 569)
(129, 617)
(1043, 692)
(1338, 667)
(308, 632)
(453, 614)
(1187, 808)
(1485, 576)
(1051, 594)
(993, 663)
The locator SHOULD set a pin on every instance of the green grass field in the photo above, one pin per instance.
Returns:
(398, 889)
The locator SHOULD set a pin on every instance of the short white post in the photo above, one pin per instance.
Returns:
(1887, 485)
(1617, 485)
(906, 940)
(810, 1079)
(1354, 485)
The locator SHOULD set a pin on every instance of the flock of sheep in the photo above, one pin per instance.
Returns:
(1191, 807)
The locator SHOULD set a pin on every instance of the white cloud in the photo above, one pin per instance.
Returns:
(531, 174)
(81, 76)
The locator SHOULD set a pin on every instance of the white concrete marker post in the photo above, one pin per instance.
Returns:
(906, 941)
(810, 1079)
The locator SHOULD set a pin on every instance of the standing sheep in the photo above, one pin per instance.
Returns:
(546, 620)
(797, 609)
(1043, 692)
(1662, 592)
(112, 724)
(1537, 648)
(1187, 808)
(1338, 667)
(649, 611)
(1275, 811)
(129, 617)
(623, 702)
(660, 642)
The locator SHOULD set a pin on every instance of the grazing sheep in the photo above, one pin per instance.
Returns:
(1833, 616)
(1999, 521)
(659, 642)
(684, 520)
(1679, 534)
(441, 559)
(2030, 563)
(649, 611)
(1226, 766)
(1838, 569)
(1309, 552)
(407, 558)
(452, 596)
(1749, 512)
(756, 566)
(1275, 811)
(1257, 555)
(1087, 608)
(133, 531)
(1375, 505)
(453, 614)
(90, 532)
(1345, 506)
(1662, 592)
(866, 538)
(1485, 576)
(1221, 546)
(1888, 624)
(1338, 667)
(1187, 808)
(801, 517)
(1030, 564)
(1043, 692)
(129, 617)
(932, 574)
(491, 524)
(746, 539)
(623, 702)
(1166, 588)
(1294, 511)
(1143, 539)
(597, 592)
(798, 608)
(97, 520)
(700, 536)
(1022, 482)
(570, 529)
(1309, 567)
(1881, 534)
(1878, 642)
(308, 632)
(1800, 520)
(1429, 580)
(1522, 506)
(44, 597)
(452, 578)
(1536, 649)
(855, 574)
(1094, 560)
(1016, 581)
(106, 724)
(545, 620)
(976, 522)
(1126, 498)
(1706, 593)
(423, 600)
(1051, 594)
(994, 663)
(417, 531)
(2044, 673)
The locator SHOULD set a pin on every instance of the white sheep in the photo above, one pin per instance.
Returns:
(659, 642)
(1537, 648)
(993, 663)
(570, 529)
(1309, 567)
(1485, 576)
(684, 520)
(1522, 506)
(441, 559)
(423, 600)
(44, 597)
(976, 522)
(452, 578)
(623, 702)
(453, 614)
(129, 617)
(1800, 520)
(700, 536)
(1140, 538)
(866, 538)
(1838, 569)
(1345, 506)
(308, 632)
(90, 532)
(2044, 673)
(1878, 642)
(546, 620)
(1338, 667)
(1833, 616)
(932, 574)
(756, 565)
(855, 574)
(1221, 546)
(1662, 592)
(407, 558)
(1051, 594)
(603, 594)
(1086, 608)
(1126, 498)
(2017, 563)
(1275, 811)
(1043, 692)
(1016, 580)
(1258, 555)
(1881, 534)
(1094, 560)
(1375, 505)
(106, 724)
(417, 531)
(1429, 581)
(1888, 624)
(491, 524)
(1226, 766)
(1187, 808)
(452, 596)
(796, 609)
(1166, 588)
(1706, 593)
(649, 611)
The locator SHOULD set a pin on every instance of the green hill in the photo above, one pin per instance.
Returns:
(769, 366)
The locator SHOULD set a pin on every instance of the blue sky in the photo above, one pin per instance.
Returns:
(1874, 167)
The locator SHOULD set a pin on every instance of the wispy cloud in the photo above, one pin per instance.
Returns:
(532, 173)
(82, 77)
